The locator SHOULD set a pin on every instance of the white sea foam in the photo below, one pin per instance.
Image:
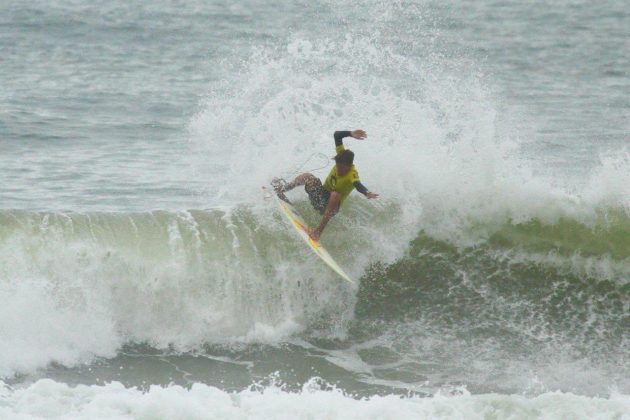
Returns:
(47, 399)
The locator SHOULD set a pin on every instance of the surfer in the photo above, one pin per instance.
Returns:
(327, 198)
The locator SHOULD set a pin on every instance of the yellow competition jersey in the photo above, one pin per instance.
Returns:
(341, 184)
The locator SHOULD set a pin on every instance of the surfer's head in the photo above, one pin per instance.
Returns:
(344, 162)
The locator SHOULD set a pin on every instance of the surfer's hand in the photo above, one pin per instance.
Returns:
(358, 134)
(371, 195)
(314, 234)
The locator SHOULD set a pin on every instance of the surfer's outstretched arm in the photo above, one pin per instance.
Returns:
(340, 135)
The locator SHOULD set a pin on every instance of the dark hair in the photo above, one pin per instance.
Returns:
(345, 157)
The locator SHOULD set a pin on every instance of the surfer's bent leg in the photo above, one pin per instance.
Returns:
(334, 202)
(281, 186)
(331, 209)
(317, 194)
(303, 179)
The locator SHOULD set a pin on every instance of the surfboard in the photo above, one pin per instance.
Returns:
(302, 229)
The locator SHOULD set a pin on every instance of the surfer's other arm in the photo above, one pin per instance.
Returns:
(363, 190)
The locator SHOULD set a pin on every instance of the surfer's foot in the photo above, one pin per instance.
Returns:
(279, 185)
(278, 182)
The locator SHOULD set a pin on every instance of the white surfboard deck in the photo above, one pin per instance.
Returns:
(301, 227)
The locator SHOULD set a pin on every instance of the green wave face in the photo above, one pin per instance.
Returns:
(533, 303)
(608, 236)
(246, 255)
(167, 278)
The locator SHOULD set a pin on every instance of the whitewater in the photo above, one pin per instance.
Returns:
(143, 273)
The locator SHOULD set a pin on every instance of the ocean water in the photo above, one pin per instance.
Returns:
(143, 274)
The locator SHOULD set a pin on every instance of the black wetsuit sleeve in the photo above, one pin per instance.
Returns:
(339, 136)
(360, 187)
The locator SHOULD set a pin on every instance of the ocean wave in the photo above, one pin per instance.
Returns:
(77, 286)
